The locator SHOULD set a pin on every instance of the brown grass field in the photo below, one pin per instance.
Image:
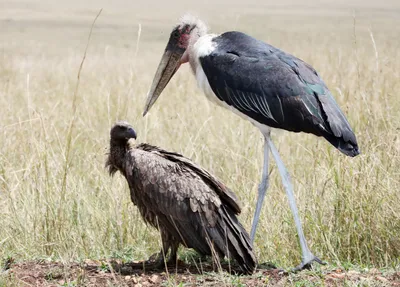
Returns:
(62, 218)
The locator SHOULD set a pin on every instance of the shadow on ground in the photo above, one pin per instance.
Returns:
(195, 268)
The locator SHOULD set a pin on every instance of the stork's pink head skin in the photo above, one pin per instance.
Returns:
(182, 36)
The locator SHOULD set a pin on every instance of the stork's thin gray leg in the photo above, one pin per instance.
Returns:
(262, 189)
(307, 256)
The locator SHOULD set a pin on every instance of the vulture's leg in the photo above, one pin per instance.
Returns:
(165, 238)
(174, 249)
(169, 243)
(307, 256)
(262, 189)
(160, 261)
(157, 260)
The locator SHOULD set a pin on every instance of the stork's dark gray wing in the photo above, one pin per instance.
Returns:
(275, 89)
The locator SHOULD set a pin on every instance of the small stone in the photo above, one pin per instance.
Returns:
(382, 279)
(338, 270)
(352, 272)
(138, 285)
(338, 275)
(127, 278)
(154, 278)
(134, 280)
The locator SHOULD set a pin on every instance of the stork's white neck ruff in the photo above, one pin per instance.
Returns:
(201, 47)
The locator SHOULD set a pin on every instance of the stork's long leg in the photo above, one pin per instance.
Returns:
(307, 256)
(262, 189)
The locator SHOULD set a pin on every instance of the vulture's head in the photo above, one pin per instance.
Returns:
(122, 132)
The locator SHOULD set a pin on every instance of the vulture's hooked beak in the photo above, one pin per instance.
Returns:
(169, 64)
(131, 134)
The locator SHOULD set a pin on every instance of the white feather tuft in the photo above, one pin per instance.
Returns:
(189, 19)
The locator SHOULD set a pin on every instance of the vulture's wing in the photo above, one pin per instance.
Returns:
(225, 194)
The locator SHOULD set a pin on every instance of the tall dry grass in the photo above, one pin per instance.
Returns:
(349, 206)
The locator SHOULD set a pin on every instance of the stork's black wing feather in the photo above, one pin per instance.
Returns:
(275, 89)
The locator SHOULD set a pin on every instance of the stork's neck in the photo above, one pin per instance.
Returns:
(198, 32)
(116, 157)
(201, 47)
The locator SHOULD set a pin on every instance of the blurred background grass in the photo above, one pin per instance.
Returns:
(349, 206)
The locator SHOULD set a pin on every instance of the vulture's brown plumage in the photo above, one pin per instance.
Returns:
(186, 203)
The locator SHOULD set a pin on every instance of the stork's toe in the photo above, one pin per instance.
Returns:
(308, 264)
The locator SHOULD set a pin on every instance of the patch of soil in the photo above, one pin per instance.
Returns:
(138, 274)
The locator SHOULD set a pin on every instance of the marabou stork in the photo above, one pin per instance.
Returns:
(263, 84)
(186, 203)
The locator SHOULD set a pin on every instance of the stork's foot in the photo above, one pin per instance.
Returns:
(306, 264)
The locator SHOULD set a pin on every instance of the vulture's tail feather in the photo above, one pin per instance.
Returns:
(230, 237)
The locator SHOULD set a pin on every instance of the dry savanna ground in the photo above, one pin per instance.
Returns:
(63, 219)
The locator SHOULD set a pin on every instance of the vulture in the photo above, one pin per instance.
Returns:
(187, 204)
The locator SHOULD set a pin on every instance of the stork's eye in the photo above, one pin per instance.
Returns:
(187, 29)
(176, 33)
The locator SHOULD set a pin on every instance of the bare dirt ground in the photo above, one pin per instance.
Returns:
(112, 273)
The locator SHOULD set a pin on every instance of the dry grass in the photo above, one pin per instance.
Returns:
(349, 207)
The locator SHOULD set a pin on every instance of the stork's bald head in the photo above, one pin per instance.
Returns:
(121, 132)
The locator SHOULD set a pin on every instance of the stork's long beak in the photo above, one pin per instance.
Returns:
(169, 64)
